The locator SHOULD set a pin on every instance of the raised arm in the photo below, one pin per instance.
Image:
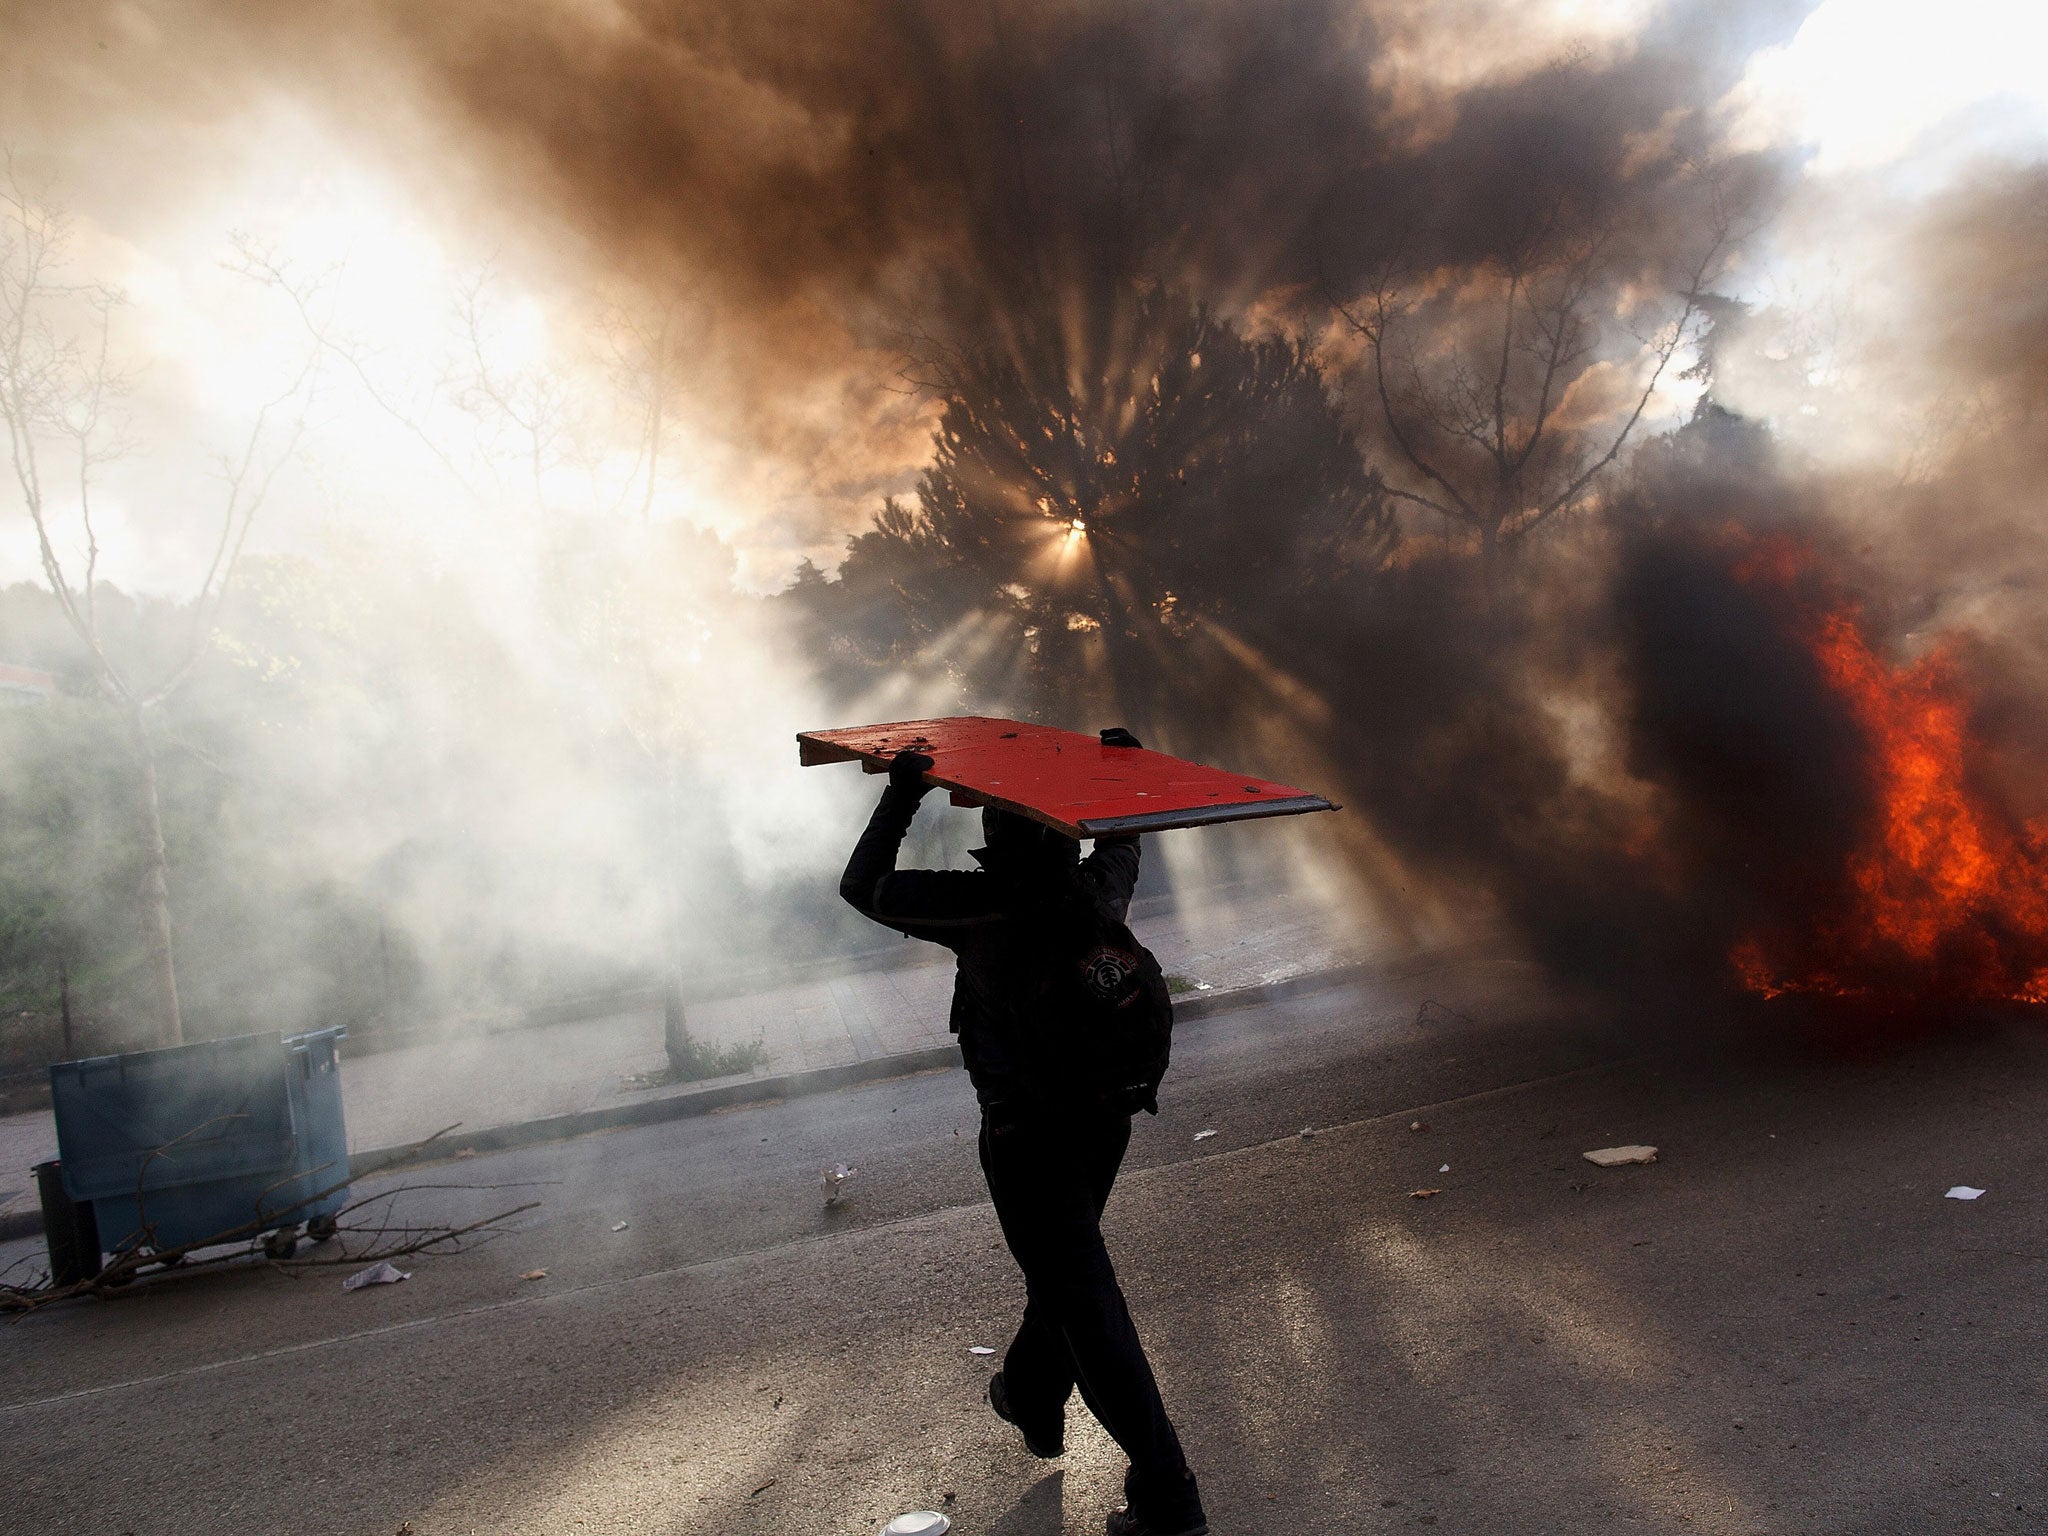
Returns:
(1113, 870)
(1113, 867)
(921, 903)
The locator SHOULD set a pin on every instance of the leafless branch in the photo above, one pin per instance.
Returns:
(1483, 438)
(533, 402)
(1674, 337)
(1373, 327)
(256, 262)
(381, 1238)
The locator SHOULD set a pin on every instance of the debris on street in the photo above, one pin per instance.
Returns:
(1445, 1169)
(1308, 1133)
(1418, 1125)
(620, 1226)
(1203, 1135)
(1424, 1194)
(1963, 1192)
(1619, 1157)
(763, 1488)
(833, 1178)
(535, 1274)
(919, 1522)
(979, 1349)
(376, 1274)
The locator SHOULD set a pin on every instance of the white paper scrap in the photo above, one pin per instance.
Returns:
(979, 1349)
(1963, 1192)
(376, 1274)
(1203, 1135)
(1445, 1169)
(919, 1522)
(833, 1180)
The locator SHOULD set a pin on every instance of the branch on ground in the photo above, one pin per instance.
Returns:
(366, 1232)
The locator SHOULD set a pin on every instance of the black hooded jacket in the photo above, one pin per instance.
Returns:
(986, 917)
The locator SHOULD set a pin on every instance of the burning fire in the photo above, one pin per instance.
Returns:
(1946, 897)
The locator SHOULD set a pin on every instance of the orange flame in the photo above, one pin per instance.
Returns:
(1945, 897)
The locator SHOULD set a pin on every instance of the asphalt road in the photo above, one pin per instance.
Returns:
(1780, 1326)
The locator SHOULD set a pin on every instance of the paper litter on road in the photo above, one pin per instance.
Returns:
(919, 1522)
(1203, 1135)
(979, 1349)
(620, 1226)
(376, 1274)
(1417, 1125)
(535, 1274)
(1445, 1169)
(1424, 1194)
(1620, 1157)
(833, 1178)
(1963, 1192)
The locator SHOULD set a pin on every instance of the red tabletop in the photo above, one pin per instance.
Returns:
(1061, 778)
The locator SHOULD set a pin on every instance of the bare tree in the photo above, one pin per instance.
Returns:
(533, 402)
(58, 389)
(311, 298)
(1486, 424)
(649, 350)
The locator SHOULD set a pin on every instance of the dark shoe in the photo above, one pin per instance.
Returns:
(1038, 1441)
(1123, 1523)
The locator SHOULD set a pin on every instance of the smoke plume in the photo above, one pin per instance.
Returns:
(1396, 397)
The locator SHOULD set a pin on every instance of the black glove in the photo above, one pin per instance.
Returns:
(907, 771)
(1117, 736)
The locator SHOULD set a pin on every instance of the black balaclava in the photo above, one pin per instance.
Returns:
(1024, 849)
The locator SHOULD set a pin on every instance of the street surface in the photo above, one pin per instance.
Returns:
(1780, 1326)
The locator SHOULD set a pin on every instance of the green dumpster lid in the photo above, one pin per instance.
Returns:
(186, 1114)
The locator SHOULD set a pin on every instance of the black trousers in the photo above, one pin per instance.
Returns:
(1050, 1179)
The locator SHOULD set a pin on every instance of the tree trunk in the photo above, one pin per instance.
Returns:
(653, 455)
(64, 1004)
(1489, 562)
(384, 962)
(156, 891)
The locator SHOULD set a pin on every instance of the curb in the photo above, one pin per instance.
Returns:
(791, 1085)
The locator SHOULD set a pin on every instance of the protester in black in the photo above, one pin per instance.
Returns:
(1050, 1152)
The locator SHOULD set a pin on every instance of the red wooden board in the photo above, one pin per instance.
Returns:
(1061, 778)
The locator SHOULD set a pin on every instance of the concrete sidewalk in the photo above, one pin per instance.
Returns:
(518, 1077)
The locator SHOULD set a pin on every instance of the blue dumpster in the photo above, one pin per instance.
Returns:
(163, 1148)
